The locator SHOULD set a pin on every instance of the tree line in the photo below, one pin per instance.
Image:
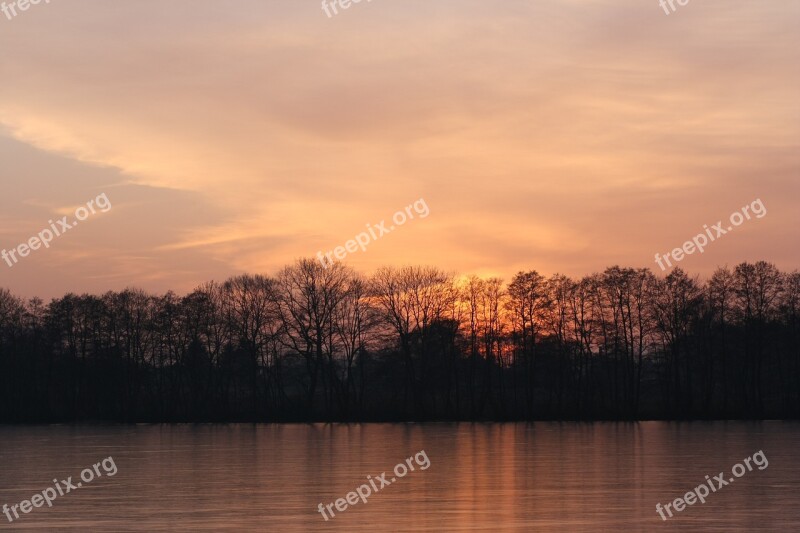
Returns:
(411, 343)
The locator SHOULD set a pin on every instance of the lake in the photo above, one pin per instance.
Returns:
(466, 477)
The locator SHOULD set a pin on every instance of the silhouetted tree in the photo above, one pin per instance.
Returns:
(411, 343)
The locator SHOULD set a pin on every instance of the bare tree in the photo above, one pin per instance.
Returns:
(527, 301)
(307, 296)
(411, 300)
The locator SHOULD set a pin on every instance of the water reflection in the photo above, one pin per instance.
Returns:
(482, 477)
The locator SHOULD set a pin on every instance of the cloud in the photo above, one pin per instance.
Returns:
(551, 127)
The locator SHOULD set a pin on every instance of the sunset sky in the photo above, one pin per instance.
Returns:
(557, 135)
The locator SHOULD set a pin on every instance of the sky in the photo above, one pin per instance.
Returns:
(229, 137)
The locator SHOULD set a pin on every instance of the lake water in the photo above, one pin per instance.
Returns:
(480, 477)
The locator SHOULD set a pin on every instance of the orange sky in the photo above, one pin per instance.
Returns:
(560, 135)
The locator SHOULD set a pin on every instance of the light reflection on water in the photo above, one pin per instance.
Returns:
(482, 477)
